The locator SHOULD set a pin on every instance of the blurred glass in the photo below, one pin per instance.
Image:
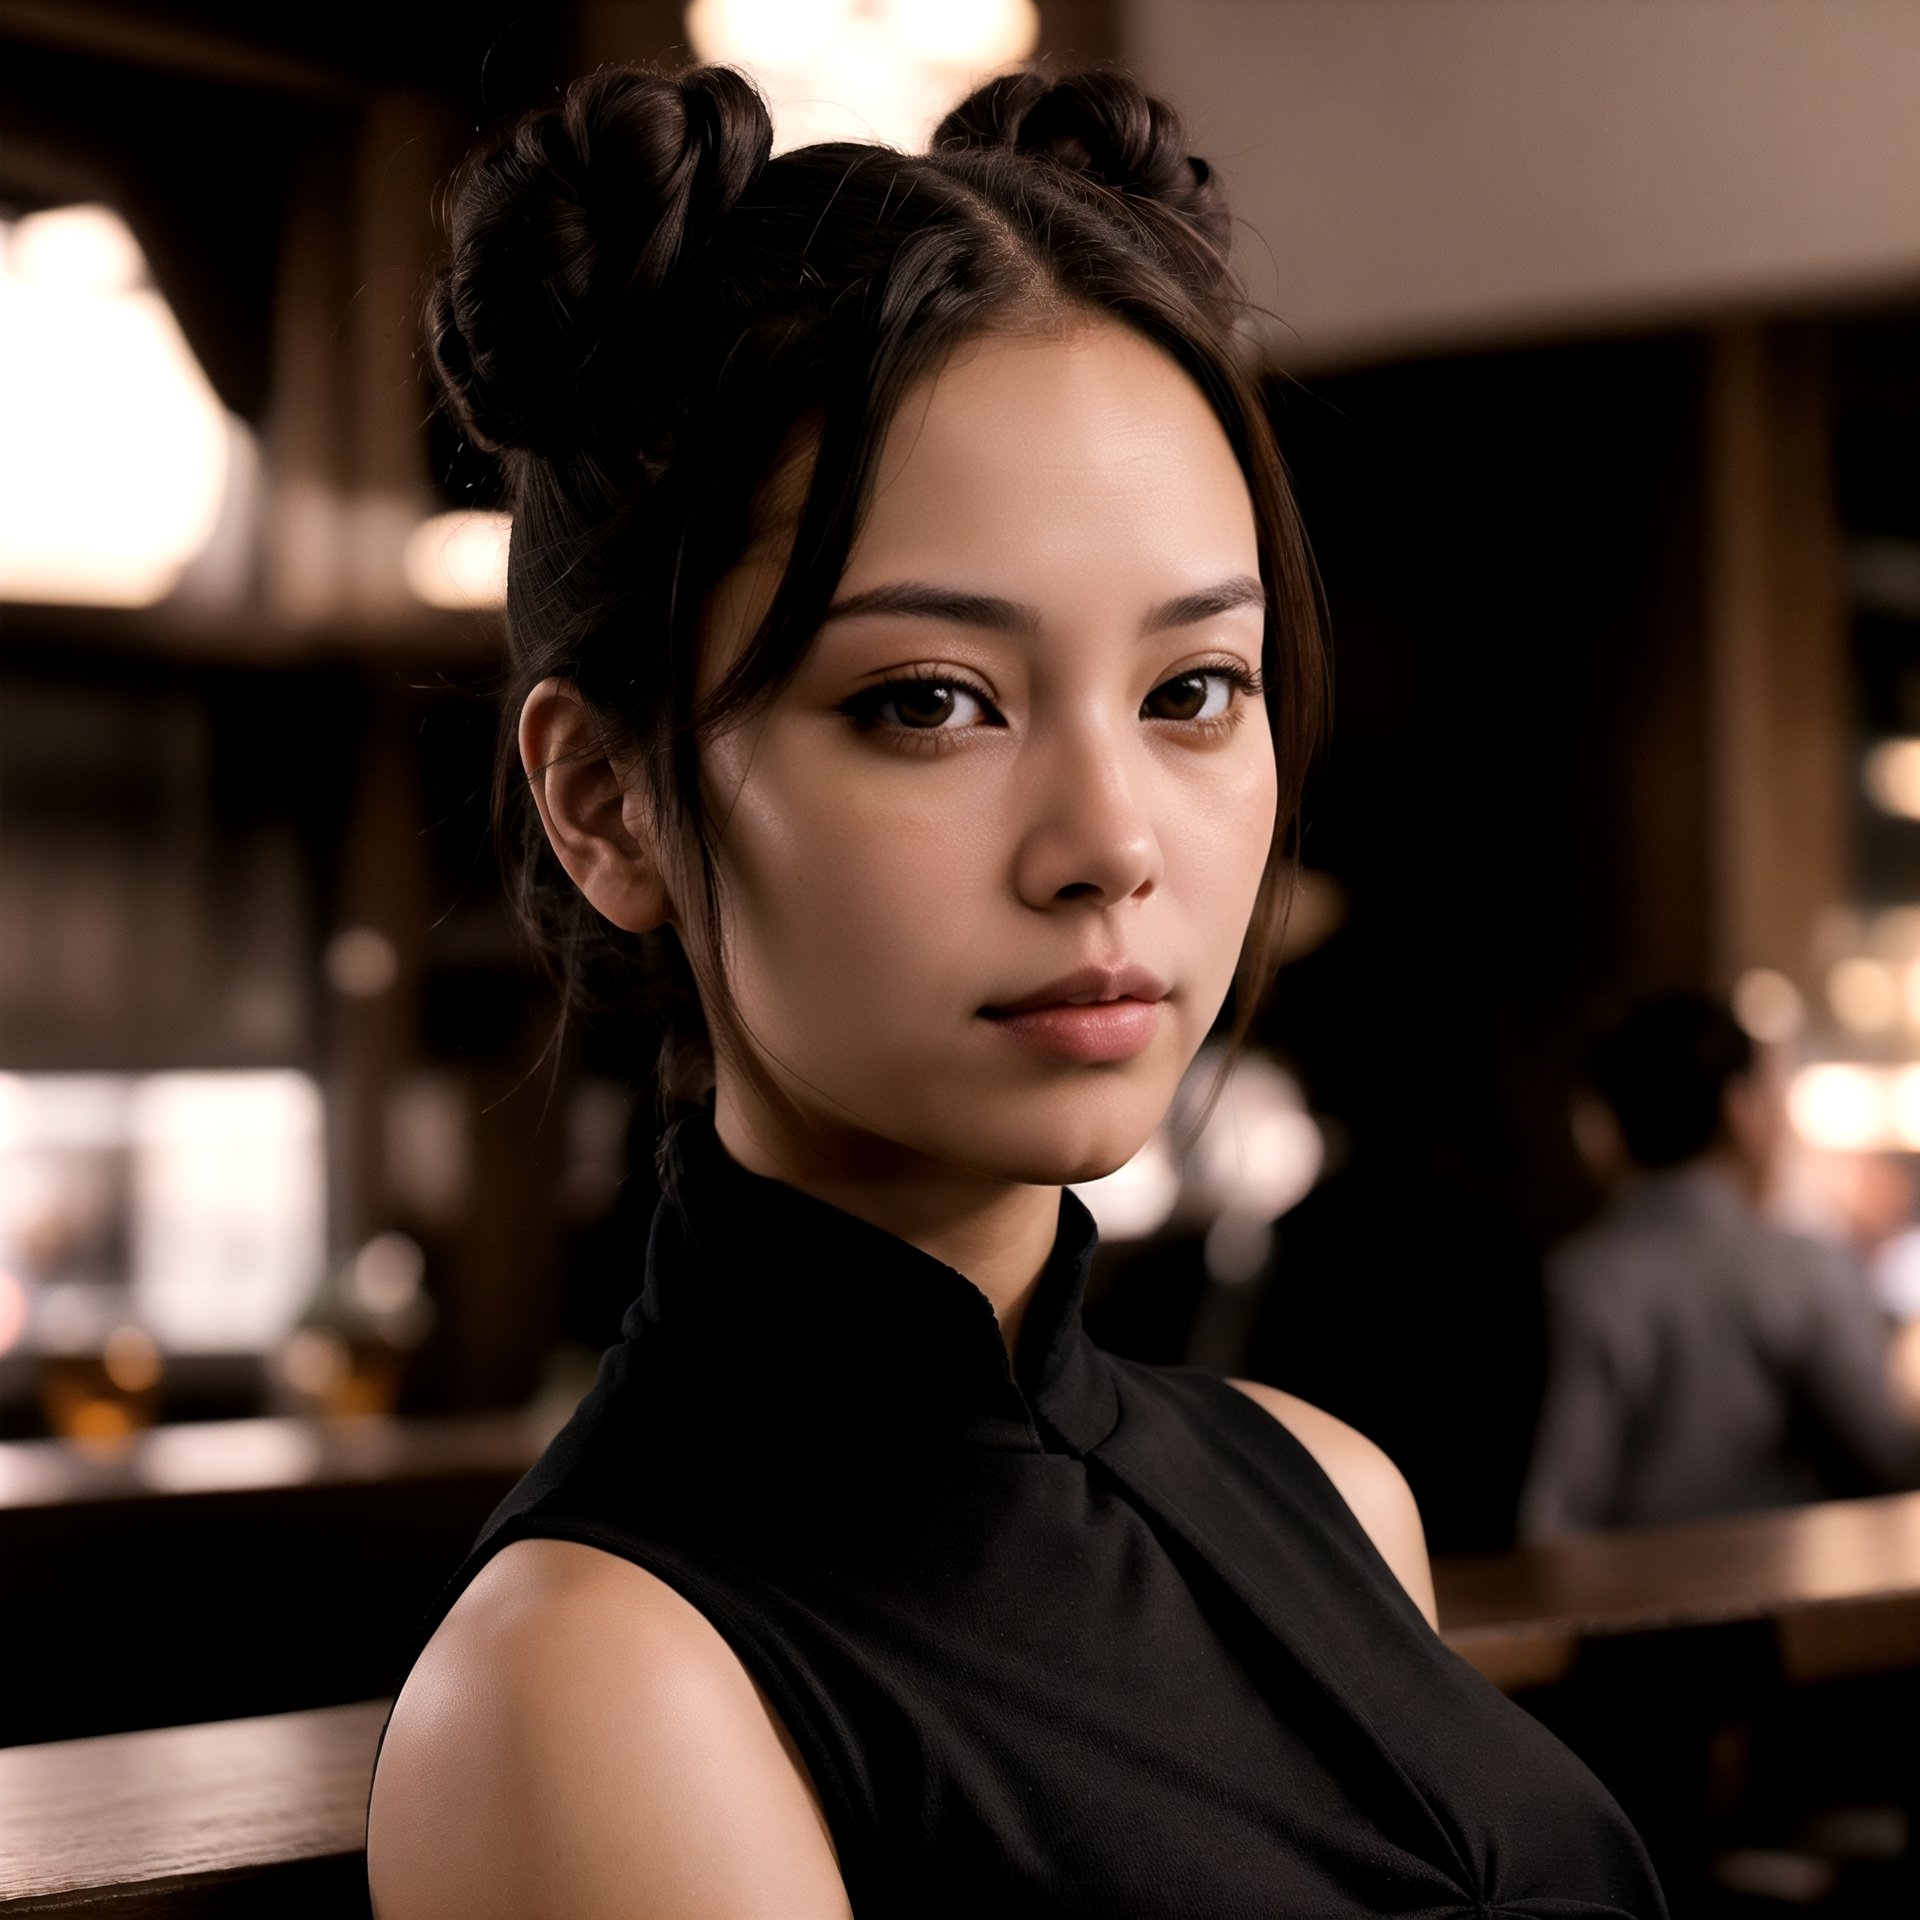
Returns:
(100, 1377)
(340, 1376)
(348, 1357)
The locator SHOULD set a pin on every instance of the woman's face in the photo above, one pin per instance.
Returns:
(987, 859)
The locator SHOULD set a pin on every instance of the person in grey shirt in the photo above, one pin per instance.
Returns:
(1701, 1360)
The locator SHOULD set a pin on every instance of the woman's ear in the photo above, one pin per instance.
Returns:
(597, 822)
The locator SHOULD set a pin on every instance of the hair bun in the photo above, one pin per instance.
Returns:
(562, 232)
(1101, 124)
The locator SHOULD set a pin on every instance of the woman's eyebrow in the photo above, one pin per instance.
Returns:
(1243, 590)
(909, 598)
(913, 600)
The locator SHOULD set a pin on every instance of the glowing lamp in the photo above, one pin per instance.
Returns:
(114, 449)
(862, 69)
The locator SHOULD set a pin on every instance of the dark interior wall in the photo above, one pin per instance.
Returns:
(1876, 392)
(1508, 544)
(1511, 800)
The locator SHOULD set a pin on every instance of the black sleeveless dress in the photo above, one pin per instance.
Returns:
(1077, 1637)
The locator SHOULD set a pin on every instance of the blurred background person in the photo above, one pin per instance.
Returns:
(1700, 1359)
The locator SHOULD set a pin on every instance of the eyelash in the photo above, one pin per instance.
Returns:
(864, 709)
(1242, 679)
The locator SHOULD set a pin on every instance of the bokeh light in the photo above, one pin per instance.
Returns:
(1865, 994)
(1892, 774)
(459, 560)
(1137, 1199)
(1768, 1005)
(1839, 1107)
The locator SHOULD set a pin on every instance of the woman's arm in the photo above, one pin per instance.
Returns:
(1366, 1480)
(578, 1742)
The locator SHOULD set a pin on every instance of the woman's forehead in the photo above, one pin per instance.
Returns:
(1029, 457)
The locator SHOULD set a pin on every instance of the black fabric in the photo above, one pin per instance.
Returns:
(1072, 1637)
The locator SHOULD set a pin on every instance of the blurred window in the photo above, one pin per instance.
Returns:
(197, 1200)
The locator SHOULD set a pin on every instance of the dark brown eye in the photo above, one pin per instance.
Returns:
(921, 703)
(1189, 696)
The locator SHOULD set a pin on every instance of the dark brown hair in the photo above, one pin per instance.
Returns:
(1665, 1069)
(645, 316)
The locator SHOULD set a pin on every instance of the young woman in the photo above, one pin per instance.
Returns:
(917, 649)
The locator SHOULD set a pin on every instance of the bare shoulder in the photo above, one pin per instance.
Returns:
(1367, 1481)
(577, 1740)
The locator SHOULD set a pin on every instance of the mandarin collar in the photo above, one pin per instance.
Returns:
(818, 1325)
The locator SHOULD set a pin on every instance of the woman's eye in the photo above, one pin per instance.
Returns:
(1205, 694)
(920, 706)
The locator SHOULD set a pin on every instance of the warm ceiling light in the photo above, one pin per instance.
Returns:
(967, 33)
(863, 69)
(114, 448)
(772, 33)
(459, 560)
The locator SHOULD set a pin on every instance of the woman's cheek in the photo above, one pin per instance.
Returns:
(1227, 822)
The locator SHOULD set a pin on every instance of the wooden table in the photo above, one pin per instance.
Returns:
(238, 1817)
(1841, 1582)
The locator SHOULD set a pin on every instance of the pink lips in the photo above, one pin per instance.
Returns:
(1094, 1017)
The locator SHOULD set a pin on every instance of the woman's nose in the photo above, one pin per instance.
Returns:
(1088, 834)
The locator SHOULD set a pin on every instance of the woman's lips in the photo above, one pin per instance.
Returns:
(1092, 1033)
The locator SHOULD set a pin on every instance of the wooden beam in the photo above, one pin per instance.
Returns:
(1777, 689)
(134, 38)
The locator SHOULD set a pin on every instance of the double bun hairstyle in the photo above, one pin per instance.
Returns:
(681, 346)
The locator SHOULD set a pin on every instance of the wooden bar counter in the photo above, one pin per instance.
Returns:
(234, 1568)
(1841, 1582)
(266, 1815)
(239, 1817)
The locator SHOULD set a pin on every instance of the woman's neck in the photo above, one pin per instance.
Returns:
(999, 1233)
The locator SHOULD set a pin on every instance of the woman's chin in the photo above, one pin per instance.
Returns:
(1066, 1154)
